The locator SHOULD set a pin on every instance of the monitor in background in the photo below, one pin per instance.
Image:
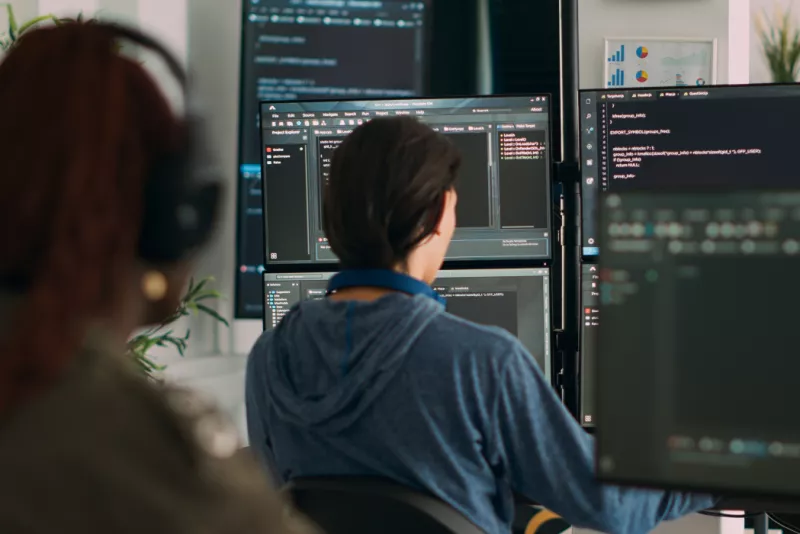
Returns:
(699, 341)
(517, 300)
(590, 321)
(303, 49)
(684, 138)
(504, 206)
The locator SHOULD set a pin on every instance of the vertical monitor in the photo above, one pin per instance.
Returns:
(517, 300)
(504, 205)
(310, 49)
(699, 341)
(683, 138)
(590, 322)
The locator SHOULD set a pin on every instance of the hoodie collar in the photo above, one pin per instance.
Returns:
(384, 279)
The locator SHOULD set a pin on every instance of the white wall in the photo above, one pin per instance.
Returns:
(215, 37)
(759, 71)
(721, 19)
(214, 41)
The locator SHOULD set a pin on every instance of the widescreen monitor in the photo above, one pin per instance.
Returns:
(590, 323)
(683, 138)
(517, 300)
(699, 338)
(310, 49)
(504, 205)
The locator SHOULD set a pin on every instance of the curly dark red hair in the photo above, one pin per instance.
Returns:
(80, 125)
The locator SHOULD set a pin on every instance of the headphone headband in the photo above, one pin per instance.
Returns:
(184, 188)
(145, 41)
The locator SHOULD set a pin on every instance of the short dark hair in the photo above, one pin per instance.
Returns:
(386, 191)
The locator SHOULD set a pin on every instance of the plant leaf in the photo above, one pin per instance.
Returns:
(781, 44)
(33, 22)
(192, 303)
(213, 313)
(12, 22)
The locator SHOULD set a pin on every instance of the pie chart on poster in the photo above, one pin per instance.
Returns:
(641, 76)
(642, 52)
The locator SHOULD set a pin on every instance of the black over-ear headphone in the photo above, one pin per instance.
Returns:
(183, 188)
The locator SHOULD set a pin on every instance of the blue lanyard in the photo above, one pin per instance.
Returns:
(383, 279)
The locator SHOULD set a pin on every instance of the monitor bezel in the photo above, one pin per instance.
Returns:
(472, 263)
(650, 480)
(580, 375)
(601, 90)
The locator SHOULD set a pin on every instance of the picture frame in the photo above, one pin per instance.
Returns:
(641, 62)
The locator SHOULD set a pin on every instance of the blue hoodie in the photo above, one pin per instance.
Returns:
(399, 388)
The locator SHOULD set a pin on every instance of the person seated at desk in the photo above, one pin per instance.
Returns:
(91, 153)
(379, 380)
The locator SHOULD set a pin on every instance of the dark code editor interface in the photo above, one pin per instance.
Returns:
(688, 138)
(517, 300)
(304, 49)
(503, 210)
(590, 321)
(699, 296)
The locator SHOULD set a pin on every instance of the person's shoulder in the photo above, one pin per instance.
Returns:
(467, 337)
(103, 428)
(300, 312)
(468, 331)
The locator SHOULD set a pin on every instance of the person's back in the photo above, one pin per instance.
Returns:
(379, 380)
(104, 451)
(407, 400)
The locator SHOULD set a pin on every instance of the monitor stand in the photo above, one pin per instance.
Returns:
(761, 524)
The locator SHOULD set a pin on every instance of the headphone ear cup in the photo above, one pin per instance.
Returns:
(160, 241)
(178, 215)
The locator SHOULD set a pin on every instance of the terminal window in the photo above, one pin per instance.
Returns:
(504, 207)
(699, 296)
(517, 300)
(684, 139)
(303, 49)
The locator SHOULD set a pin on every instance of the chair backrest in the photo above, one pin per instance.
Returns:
(356, 505)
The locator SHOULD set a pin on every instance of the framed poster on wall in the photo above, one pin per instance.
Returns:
(632, 62)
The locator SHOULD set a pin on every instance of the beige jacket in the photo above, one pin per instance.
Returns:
(107, 452)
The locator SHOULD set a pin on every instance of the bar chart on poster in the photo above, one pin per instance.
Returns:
(649, 62)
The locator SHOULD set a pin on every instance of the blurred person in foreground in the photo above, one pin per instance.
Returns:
(88, 444)
(379, 380)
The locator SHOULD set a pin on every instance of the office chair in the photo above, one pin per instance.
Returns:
(355, 505)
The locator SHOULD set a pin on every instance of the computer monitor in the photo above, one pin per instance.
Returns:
(590, 321)
(684, 138)
(699, 376)
(504, 199)
(304, 49)
(517, 300)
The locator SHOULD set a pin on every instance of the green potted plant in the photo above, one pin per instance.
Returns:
(198, 295)
(195, 302)
(780, 40)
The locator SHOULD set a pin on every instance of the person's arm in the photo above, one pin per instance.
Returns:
(550, 460)
(255, 405)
